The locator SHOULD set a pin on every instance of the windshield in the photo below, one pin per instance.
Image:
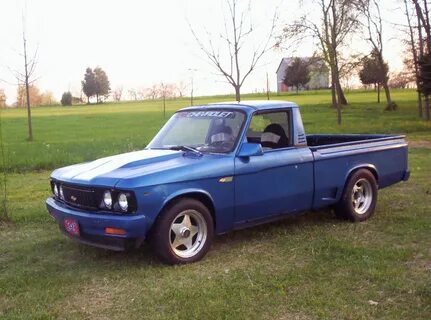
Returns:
(213, 130)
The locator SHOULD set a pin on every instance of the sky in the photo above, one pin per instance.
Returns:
(140, 43)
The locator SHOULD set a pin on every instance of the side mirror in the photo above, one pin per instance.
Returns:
(250, 150)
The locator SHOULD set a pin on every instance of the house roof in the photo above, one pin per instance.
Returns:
(286, 60)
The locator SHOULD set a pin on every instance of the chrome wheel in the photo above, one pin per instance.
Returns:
(362, 196)
(188, 233)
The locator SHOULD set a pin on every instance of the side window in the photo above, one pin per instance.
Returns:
(271, 130)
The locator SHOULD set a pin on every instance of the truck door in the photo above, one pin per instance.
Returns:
(277, 182)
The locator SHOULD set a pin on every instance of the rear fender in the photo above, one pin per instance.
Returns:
(367, 166)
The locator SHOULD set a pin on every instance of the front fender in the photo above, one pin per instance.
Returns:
(185, 192)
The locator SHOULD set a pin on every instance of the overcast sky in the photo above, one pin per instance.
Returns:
(139, 43)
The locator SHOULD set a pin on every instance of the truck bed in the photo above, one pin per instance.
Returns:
(329, 140)
(336, 156)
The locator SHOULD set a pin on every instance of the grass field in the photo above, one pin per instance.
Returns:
(310, 266)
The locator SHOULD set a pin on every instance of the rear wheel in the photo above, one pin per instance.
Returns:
(183, 233)
(359, 198)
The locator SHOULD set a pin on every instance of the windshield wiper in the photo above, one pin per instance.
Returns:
(186, 148)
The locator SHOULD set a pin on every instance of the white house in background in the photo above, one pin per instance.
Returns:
(319, 75)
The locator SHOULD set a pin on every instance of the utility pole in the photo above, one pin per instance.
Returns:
(191, 93)
(192, 84)
(267, 86)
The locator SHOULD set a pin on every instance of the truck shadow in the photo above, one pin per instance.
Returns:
(291, 223)
(73, 254)
(286, 225)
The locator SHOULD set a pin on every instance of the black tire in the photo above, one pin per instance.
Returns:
(163, 236)
(355, 205)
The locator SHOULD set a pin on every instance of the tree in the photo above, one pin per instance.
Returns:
(371, 13)
(102, 84)
(420, 47)
(238, 31)
(425, 79)
(26, 78)
(401, 80)
(66, 99)
(2, 98)
(338, 19)
(117, 93)
(415, 55)
(95, 83)
(47, 99)
(297, 73)
(133, 94)
(373, 72)
(31, 94)
(89, 86)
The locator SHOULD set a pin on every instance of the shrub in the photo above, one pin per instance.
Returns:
(66, 99)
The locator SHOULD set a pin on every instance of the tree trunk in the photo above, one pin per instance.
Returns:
(390, 103)
(334, 96)
(427, 108)
(335, 103)
(297, 89)
(27, 92)
(238, 93)
(341, 97)
(30, 126)
(378, 93)
(420, 107)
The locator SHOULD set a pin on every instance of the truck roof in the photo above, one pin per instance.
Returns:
(250, 104)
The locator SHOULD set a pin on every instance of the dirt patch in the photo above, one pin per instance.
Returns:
(93, 301)
(420, 144)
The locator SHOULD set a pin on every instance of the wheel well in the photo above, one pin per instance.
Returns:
(201, 197)
(371, 169)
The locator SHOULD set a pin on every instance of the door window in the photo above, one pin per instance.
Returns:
(271, 130)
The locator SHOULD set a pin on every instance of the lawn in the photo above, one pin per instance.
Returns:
(310, 266)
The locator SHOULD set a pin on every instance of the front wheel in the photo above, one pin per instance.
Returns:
(183, 232)
(359, 198)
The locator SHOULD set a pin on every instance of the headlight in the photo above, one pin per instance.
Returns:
(123, 202)
(55, 190)
(107, 199)
(61, 192)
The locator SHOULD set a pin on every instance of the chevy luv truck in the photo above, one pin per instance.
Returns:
(219, 167)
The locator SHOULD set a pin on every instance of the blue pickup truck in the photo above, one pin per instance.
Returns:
(219, 167)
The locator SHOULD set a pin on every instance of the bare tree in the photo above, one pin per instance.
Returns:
(117, 93)
(238, 30)
(373, 23)
(133, 94)
(415, 57)
(337, 20)
(424, 44)
(181, 88)
(153, 92)
(26, 77)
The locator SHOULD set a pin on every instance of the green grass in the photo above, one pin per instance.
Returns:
(310, 266)
(83, 133)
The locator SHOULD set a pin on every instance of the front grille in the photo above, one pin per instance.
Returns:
(80, 197)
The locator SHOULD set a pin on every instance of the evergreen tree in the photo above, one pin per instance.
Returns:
(89, 85)
(102, 84)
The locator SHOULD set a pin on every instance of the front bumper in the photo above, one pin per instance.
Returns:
(92, 226)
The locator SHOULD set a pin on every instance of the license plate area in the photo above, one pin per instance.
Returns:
(71, 226)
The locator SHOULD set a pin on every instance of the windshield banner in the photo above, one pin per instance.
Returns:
(208, 114)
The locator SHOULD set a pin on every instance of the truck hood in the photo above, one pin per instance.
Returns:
(142, 168)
